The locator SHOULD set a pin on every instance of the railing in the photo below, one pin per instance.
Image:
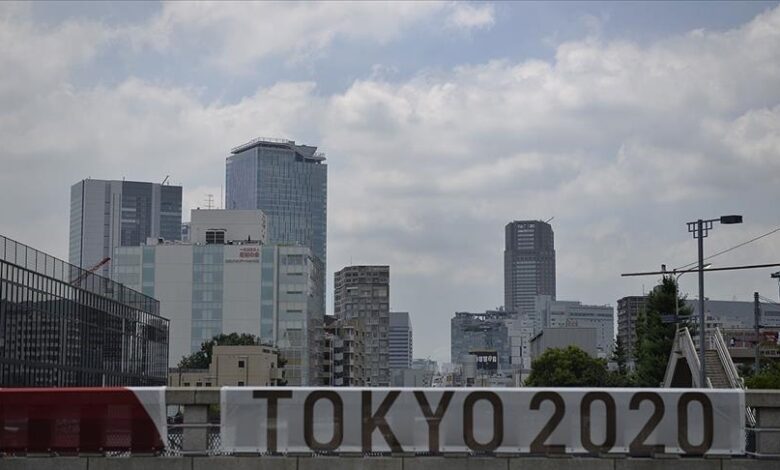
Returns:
(716, 339)
(685, 344)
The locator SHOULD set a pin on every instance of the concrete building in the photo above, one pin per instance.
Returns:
(411, 378)
(400, 340)
(549, 313)
(529, 264)
(228, 281)
(562, 337)
(105, 214)
(481, 332)
(628, 310)
(363, 293)
(289, 183)
(62, 326)
(736, 314)
(343, 353)
(231, 366)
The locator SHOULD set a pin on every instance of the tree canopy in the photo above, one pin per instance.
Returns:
(655, 338)
(202, 359)
(567, 367)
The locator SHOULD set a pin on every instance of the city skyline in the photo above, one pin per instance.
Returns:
(572, 111)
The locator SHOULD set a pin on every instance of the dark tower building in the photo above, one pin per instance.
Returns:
(529, 264)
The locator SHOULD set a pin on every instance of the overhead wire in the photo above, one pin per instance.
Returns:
(731, 249)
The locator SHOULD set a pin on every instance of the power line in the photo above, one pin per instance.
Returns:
(726, 268)
(732, 248)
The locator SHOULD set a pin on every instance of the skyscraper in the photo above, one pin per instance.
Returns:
(529, 264)
(105, 214)
(363, 293)
(288, 182)
(400, 340)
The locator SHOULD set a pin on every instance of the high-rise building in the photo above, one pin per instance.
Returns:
(628, 310)
(363, 293)
(529, 264)
(400, 340)
(105, 214)
(62, 326)
(228, 281)
(472, 333)
(288, 182)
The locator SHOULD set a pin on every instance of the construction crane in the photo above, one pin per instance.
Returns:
(77, 282)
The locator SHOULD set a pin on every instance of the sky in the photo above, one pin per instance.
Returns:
(441, 123)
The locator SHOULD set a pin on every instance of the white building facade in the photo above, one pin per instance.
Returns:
(549, 313)
(228, 281)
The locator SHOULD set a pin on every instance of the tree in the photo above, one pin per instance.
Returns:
(619, 356)
(621, 377)
(767, 378)
(202, 359)
(567, 367)
(655, 338)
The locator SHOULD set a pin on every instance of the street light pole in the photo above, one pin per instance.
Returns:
(702, 320)
(700, 229)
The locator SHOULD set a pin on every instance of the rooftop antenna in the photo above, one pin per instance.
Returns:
(209, 201)
(548, 220)
(165, 180)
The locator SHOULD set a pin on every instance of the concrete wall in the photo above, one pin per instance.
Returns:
(378, 463)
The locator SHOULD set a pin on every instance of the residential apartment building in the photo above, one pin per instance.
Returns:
(62, 326)
(105, 214)
(363, 293)
(529, 264)
(227, 280)
(400, 340)
(628, 310)
(343, 353)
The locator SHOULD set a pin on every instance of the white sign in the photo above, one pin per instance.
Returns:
(517, 421)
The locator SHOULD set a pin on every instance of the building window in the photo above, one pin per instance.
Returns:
(186, 384)
(198, 384)
(240, 383)
(241, 364)
(215, 237)
(208, 384)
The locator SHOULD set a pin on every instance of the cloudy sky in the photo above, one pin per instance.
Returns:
(441, 122)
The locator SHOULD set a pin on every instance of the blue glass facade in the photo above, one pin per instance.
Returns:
(286, 181)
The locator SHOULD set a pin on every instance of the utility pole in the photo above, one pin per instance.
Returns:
(700, 227)
(756, 325)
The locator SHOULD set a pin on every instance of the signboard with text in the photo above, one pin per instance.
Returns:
(514, 421)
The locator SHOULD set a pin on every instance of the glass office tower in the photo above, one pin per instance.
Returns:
(61, 326)
(288, 182)
(107, 214)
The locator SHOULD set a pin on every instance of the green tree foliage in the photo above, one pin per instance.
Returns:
(654, 338)
(202, 359)
(768, 378)
(621, 377)
(567, 367)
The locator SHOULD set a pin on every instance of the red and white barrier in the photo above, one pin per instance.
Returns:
(82, 420)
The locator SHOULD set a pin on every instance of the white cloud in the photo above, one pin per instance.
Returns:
(470, 16)
(235, 34)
